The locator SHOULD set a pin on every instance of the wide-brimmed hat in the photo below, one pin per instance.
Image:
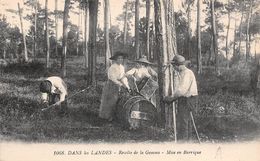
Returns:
(178, 60)
(143, 60)
(117, 54)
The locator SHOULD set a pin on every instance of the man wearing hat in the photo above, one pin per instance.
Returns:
(185, 92)
(53, 90)
(116, 80)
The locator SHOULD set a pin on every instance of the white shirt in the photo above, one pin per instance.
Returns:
(140, 73)
(116, 73)
(186, 84)
(58, 87)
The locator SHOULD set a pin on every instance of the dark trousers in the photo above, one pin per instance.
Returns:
(184, 122)
(53, 98)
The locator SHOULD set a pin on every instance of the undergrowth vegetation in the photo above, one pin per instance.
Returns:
(226, 108)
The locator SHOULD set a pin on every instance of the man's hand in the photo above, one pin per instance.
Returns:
(168, 99)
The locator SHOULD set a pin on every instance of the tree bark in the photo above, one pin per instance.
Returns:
(125, 22)
(24, 38)
(65, 36)
(86, 35)
(78, 32)
(56, 27)
(240, 34)
(148, 7)
(93, 9)
(227, 36)
(234, 41)
(199, 63)
(35, 29)
(106, 29)
(165, 50)
(47, 36)
(247, 31)
(189, 33)
(137, 42)
(215, 43)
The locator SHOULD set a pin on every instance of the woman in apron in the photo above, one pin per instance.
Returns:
(116, 80)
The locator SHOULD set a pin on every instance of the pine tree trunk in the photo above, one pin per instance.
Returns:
(65, 36)
(199, 63)
(86, 35)
(47, 36)
(240, 34)
(234, 41)
(137, 42)
(24, 37)
(227, 35)
(56, 27)
(78, 32)
(165, 49)
(247, 31)
(125, 22)
(35, 29)
(93, 8)
(210, 52)
(106, 29)
(215, 45)
(255, 51)
(148, 7)
(189, 33)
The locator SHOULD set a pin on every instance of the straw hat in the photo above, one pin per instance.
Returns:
(144, 60)
(117, 54)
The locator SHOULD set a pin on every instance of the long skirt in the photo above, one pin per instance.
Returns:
(109, 98)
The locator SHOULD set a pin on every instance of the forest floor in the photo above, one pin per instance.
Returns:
(227, 110)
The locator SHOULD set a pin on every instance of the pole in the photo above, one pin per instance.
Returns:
(53, 105)
(195, 128)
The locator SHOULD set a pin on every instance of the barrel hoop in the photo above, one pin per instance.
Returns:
(148, 118)
(129, 100)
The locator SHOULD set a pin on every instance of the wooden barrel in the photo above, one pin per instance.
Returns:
(136, 112)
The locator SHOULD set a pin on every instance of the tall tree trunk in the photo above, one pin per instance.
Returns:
(93, 9)
(247, 31)
(106, 29)
(24, 37)
(240, 34)
(199, 63)
(65, 36)
(227, 35)
(56, 27)
(234, 41)
(35, 29)
(255, 51)
(47, 36)
(148, 7)
(210, 51)
(137, 42)
(125, 22)
(78, 32)
(188, 54)
(165, 49)
(215, 43)
(86, 35)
